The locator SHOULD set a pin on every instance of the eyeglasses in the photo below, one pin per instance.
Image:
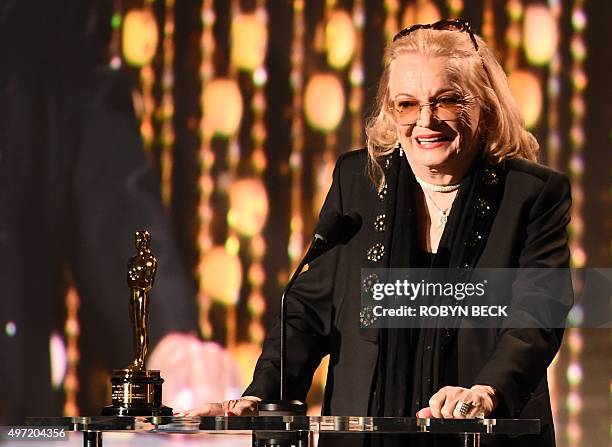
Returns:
(446, 25)
(443, 108)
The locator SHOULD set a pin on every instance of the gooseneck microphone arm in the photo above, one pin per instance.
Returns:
(318, 243)
(332, 229)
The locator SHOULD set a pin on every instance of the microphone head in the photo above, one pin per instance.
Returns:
(334, 228)
(325, 227)
(349, 226)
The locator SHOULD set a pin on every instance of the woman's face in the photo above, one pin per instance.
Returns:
(438, 150)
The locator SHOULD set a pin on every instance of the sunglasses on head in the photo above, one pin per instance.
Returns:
(445, 25)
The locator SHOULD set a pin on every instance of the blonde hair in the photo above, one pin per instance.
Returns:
(475, 73)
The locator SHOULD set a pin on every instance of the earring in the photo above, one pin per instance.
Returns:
(398, 146)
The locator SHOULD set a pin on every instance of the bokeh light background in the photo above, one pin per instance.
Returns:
(245, 105)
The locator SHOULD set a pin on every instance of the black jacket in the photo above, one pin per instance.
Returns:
(526, 228)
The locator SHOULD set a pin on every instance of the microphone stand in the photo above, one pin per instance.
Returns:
(332, 229)
(283, 406)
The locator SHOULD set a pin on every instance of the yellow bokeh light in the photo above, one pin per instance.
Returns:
(246, 354)
(339, 39)
(248, 206)
(526, 90)
(324, 102)
(257, 275)
(232, 245)
(323, 182)
(256, 304)
(222, 107)
(258, 246)
(579, 257)
(318, 385)
(256, 332)
(540, 34)
(320, 375)
(221, 276)
(249, 41)
(423, 12)
(140, 37)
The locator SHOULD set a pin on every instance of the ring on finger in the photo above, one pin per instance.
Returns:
(463, 408)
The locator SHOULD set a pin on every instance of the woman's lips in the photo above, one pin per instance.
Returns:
(432, 141)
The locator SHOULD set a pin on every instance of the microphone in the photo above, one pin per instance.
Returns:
(332, 229)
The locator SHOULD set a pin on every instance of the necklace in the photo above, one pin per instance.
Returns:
(442, 214)
(436, 188)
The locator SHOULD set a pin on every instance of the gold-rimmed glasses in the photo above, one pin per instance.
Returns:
(447, 107)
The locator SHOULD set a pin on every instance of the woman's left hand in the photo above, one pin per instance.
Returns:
(446, 403)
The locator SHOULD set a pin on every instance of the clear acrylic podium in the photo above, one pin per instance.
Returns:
(285, 431)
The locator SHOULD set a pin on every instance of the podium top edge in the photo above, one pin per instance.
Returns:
(317, 424)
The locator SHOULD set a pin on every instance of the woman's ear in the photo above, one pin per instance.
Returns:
(482, 130)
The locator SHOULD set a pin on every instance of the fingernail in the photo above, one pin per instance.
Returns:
(230, 413)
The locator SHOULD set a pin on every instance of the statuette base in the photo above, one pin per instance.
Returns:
(136, 393)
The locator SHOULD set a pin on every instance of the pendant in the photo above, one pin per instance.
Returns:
(442, 220)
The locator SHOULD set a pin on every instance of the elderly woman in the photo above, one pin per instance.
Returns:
(448, 179)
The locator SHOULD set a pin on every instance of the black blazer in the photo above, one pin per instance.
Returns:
(527, 228)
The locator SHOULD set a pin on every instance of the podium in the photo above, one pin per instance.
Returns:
(286, 431)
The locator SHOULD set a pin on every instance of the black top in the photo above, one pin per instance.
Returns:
(424, 259)
(397, 374)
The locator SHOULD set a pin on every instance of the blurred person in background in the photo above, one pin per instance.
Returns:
(75, 184)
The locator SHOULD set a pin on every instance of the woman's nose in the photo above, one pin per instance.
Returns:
(426, 116)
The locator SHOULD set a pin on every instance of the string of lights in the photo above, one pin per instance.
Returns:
(488, 23)
(578, 110)
(553, 147)
(232, 242)
(145, 20)
(356, 77)
(514, 9)
(296, 79)
(573, 401)
(147, 81)
(206, 162)
(71, 330)
(391, 25)
(167, 103)
(553, 140)
(256, 303)
(329, 151)
(324, 96)
(578, 259)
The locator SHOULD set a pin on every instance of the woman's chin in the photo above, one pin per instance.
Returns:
(430, 158)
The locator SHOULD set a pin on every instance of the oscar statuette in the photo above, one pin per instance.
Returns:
(137, 391)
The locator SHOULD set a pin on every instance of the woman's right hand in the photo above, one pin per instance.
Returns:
(245, 406)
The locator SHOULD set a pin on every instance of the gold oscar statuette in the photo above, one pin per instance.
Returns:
(137, 391)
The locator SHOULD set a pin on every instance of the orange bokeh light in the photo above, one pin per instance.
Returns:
(140, 37)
